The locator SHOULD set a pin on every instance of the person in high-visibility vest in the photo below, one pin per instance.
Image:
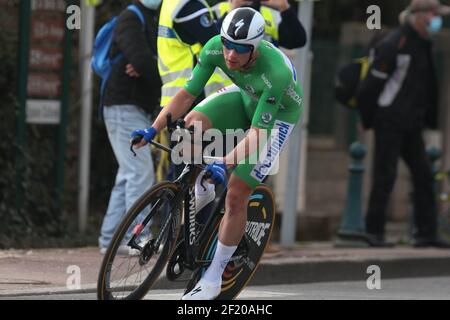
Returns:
(283, 28)
(93, 3)
(184, 27)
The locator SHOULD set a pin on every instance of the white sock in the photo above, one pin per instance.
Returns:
(214, 273)
(202, 196)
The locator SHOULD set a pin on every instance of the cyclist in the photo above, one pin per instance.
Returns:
(265, 96)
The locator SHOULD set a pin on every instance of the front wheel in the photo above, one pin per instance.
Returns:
(141, 245)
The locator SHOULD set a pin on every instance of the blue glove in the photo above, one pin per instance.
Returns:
(147, 134)
(218, 172)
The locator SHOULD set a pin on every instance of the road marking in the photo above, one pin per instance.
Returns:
(246, 294)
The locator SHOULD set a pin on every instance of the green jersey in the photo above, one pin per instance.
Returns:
(268, 87)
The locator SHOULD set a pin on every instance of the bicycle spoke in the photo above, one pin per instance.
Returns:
(129, 285)
(146, 254)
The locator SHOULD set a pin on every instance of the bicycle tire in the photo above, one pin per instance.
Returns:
(165, 192)
(260, 214)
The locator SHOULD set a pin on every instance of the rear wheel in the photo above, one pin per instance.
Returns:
(141, 245)
(245, 261)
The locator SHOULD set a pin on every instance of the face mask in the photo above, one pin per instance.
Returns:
(435, 25)
(151, 4)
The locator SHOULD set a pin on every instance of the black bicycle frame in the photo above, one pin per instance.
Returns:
(192, 237)
(186, 181)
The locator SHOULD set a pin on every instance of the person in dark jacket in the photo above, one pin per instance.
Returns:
(403, 83)
(131, 94)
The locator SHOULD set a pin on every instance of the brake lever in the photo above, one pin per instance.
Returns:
(205, 177)
(132, 151)
(135, 140)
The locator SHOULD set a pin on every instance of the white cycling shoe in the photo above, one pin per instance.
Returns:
(203, 290)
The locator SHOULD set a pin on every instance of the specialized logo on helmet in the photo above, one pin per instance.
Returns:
(238, 26)
(244, 25)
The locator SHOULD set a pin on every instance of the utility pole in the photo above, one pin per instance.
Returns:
(297, 142)
(85, 51)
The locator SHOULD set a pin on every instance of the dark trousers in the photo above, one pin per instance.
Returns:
(389, 147)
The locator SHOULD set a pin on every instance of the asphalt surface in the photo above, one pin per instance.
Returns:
(432, 288)
(48, 273)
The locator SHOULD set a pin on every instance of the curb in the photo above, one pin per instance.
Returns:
(335, 271)
(290, 271)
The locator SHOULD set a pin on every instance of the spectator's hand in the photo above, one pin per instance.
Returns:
(218, 172)
(279, 5)
(239, 3)
(131, 72)
(146, 135)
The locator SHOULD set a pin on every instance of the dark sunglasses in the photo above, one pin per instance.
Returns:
(239, 48)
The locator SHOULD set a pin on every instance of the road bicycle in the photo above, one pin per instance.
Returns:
(161, 231)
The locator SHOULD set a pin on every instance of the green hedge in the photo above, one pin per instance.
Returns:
(28, 214)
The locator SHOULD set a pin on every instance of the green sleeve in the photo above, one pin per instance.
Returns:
(203, 70)
(269, 103)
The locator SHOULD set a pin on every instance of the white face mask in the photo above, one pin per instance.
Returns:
(435, 25)
(151, 4)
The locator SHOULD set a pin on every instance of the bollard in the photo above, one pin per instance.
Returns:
(434, 154)
(352, 230)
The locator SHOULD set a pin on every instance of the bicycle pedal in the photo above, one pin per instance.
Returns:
(203, 263)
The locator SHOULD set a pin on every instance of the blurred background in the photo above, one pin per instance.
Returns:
(39, 162)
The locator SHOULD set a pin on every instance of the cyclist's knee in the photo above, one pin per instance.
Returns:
(234, 203)
(237, 197)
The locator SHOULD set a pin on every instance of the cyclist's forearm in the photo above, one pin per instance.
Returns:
(177, 107)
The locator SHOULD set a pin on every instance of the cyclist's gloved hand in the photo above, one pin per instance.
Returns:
(218, 172)
(147, 134)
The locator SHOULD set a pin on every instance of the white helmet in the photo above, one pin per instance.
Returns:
(243, 26)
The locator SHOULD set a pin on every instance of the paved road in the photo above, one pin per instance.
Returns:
(409, 288)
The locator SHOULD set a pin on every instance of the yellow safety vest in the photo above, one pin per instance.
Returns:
(176, 58)
(271, 29)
